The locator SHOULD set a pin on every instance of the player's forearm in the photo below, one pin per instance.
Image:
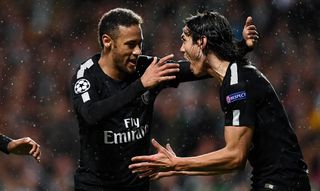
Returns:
(202, 173)
(187, 173)
(218, 162)
(96, 111)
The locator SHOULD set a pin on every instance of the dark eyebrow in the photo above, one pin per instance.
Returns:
(133, 41)
(182, 36)
(186, 31)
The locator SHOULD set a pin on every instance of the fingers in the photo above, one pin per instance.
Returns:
(147, 173)
(35, 150)
(37, 153)
(251, 37)
(159, 71)
(249, 21)
(143, 158)
(168, 147)
(166, 78)
(250, 25)
(34, 147)
(141, 169)
(155, 59)
(160, 148)
(163, 150)
(254, 37)
(156, 176)
(167, 70)
(163, 60)
(152, 172)
(252, 32)
(251, 28)
(143, 166)
(156, 145)
(170, 66)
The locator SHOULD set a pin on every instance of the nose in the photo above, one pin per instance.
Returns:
(137, 50)
(182, 49)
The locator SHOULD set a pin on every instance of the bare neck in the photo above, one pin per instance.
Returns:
(108, 66)
(217, 67)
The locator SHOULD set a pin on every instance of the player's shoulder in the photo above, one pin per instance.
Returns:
(240, 74)
(253, 78)
(247, 66)
(86, 67)
(248, 72)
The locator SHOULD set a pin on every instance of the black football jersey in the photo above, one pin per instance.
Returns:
(114, 120)
(114, 123)
(248, 99)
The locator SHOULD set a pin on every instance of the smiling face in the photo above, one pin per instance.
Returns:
(193, 53)
(126, 48)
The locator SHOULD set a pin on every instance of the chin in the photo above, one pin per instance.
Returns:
(195, 69)
(197, 74)
(131, 70)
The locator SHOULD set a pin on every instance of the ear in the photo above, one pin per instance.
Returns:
(107, 41)
(202, 42)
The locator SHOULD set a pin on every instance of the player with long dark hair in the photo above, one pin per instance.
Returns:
(256, 124)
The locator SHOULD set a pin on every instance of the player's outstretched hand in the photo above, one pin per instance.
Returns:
(250, 33)
(160, 71)
(25, 146)
(157, 165)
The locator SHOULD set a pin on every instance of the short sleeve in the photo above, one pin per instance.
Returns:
(239, 105)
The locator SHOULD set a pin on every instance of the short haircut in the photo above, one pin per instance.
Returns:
(217, 29)
(111, 20)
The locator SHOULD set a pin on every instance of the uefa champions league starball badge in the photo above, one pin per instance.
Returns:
(81, 86)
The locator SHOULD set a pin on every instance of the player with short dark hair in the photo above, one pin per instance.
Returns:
(111, 20)
(114, 105)
(256, 124)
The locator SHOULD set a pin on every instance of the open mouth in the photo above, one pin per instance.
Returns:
(132, 63)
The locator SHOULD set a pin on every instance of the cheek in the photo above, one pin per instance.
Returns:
(193, 53)
(121, 54)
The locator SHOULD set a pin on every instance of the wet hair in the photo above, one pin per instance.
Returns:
(217, 29)
(111, 20)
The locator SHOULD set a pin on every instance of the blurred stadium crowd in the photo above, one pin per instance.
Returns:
(44, 41)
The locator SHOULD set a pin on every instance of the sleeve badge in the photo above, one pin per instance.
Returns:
(81, 86)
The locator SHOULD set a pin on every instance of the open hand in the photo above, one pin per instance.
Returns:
(158, 72)
(157, 165)
(25, 146)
